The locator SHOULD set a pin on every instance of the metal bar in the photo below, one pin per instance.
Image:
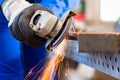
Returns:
(97, 42)
(74, 35)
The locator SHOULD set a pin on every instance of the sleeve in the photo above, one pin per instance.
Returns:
(59, 7)
(1, 1)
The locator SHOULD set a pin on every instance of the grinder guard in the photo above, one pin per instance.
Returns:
(66, 21)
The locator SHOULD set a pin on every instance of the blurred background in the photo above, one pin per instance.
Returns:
(97, 15)
(93, 16)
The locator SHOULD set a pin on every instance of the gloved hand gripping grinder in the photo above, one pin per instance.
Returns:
(48, 26)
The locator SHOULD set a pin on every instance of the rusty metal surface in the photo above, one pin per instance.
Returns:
(72, 36)
(97, 42)
(106, 63)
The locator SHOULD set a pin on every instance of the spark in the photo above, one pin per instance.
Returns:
(52, 66)
(67, 68)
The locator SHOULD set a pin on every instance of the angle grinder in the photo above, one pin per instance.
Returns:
(48, 26)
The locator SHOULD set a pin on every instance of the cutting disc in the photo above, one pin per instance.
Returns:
(66, 21)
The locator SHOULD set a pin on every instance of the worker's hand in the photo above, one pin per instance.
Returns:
(19, 21)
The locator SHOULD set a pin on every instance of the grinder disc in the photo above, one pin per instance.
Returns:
(66, 23)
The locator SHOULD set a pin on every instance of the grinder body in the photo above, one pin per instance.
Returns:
(48, 26)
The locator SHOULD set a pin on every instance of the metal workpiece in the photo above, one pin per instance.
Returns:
(99, 50)
(105, 63)
(97, 42)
